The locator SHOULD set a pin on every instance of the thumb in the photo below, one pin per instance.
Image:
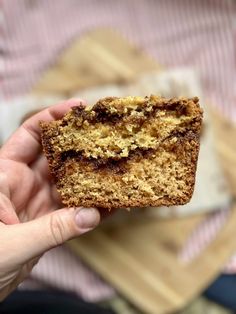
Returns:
(30, 239)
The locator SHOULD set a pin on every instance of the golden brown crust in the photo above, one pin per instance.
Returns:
(153, 164)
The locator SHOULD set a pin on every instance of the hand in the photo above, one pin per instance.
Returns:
(29, 226)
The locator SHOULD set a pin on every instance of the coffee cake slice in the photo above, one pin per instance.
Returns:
(125, 152)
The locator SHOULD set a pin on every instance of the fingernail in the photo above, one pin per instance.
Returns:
(87, 218)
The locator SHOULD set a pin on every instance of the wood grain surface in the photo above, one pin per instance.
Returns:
(97, 58)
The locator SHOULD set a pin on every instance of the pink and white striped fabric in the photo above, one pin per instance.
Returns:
(203, 235)
(200, 34)
(175, 32)
(61, 269)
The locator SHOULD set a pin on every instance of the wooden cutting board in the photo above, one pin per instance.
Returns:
(140, 257)
(97, 58)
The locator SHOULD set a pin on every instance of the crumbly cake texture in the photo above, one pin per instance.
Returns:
(125, 152)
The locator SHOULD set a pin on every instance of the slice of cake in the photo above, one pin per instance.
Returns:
(125, 152)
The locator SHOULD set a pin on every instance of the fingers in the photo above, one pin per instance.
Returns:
(7, 211)
(28, 240)
(49, 114)
(24, 145)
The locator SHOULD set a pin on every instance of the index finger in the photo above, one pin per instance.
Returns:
(25, 143)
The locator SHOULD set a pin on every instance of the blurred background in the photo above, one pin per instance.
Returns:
(157, 261)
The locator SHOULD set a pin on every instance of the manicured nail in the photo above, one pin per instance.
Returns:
(87, 218)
